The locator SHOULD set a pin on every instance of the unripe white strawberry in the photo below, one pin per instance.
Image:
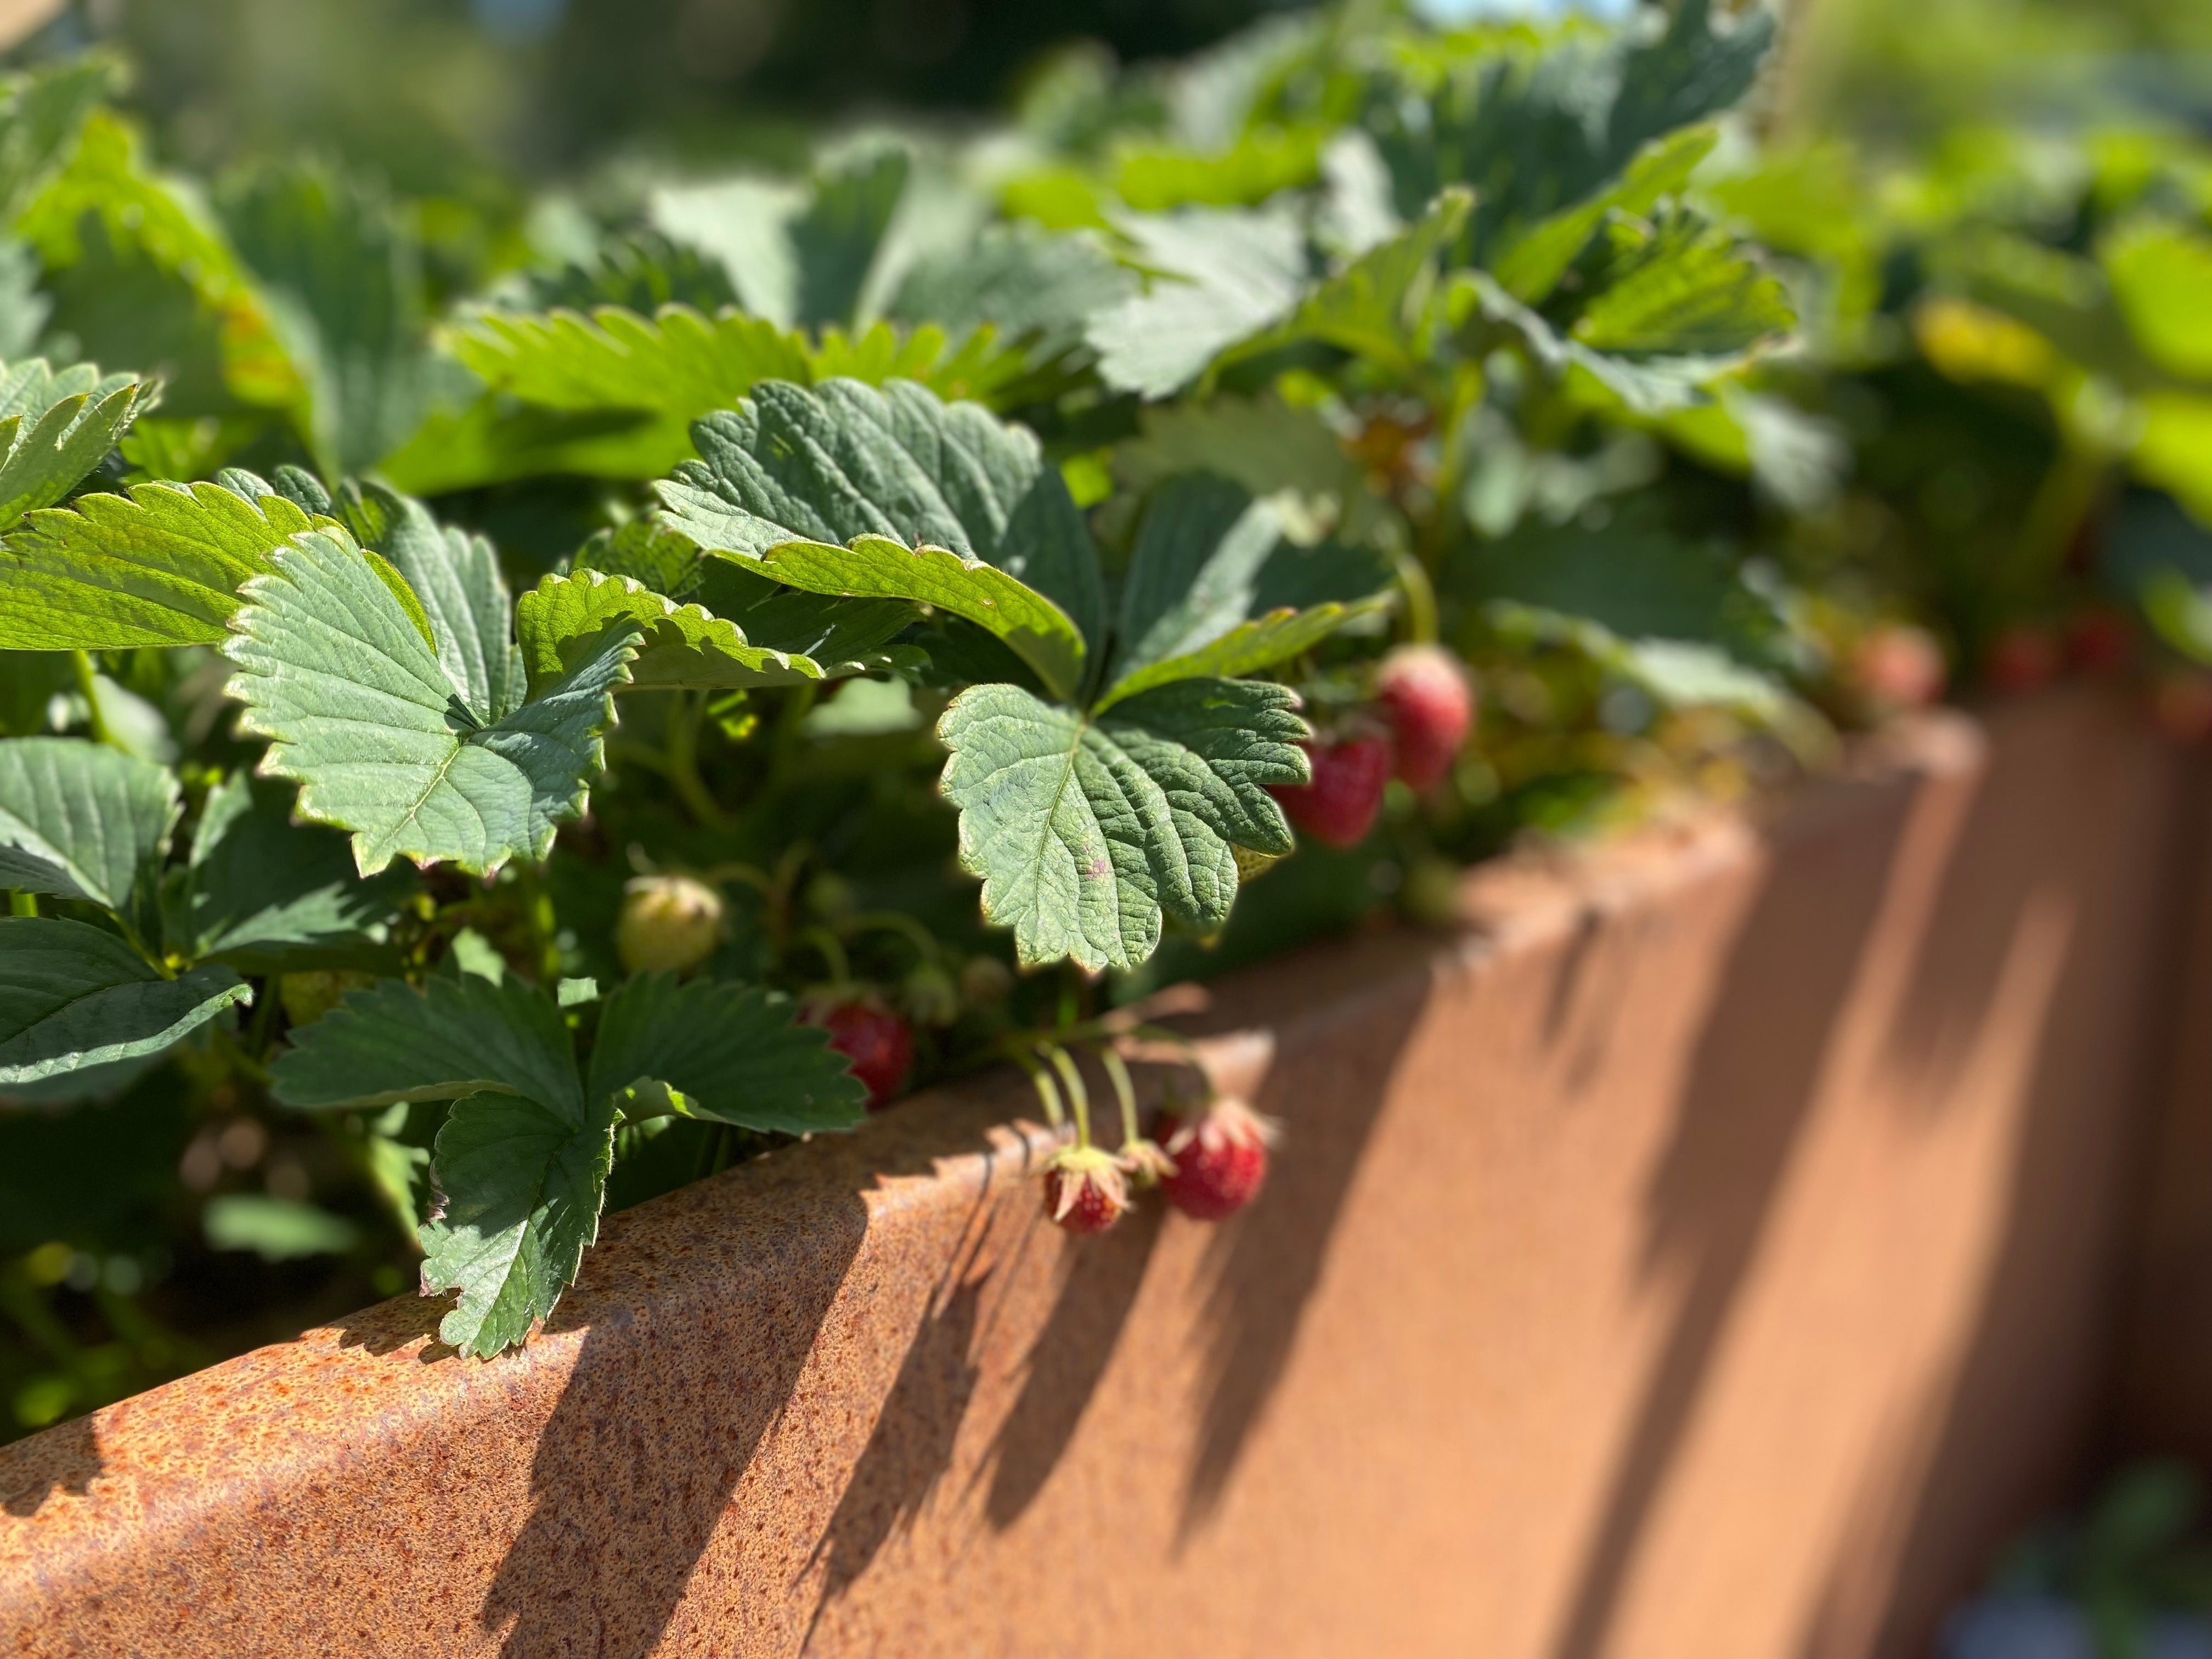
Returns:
(669, 924)
(985, 982)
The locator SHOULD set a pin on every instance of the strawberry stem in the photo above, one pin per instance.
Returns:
(1078, 1097)
(1047, 1091)
(832, 950)
(1117, 1073)
(1420, 599)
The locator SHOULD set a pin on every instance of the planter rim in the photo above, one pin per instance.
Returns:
(127, 1493)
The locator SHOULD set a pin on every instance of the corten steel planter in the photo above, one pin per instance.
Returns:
(1708, 1253)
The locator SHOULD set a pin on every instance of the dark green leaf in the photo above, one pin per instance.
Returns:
(842, 460)
(344, 278)
(459, 1035)
(520, 1185)
(737, 1055)
(80, 820)
(269, 896)
(73, 997)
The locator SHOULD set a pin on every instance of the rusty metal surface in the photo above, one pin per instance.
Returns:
(1705, 1255)
(2164, 1400)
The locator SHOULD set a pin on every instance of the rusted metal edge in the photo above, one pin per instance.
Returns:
(182, 1498)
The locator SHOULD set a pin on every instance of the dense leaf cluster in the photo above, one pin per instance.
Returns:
(389, 653)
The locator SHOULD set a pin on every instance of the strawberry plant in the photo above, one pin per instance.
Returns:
(502, 712)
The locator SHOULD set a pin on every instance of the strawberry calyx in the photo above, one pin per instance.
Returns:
(1145, 1161)
(1084, 1189)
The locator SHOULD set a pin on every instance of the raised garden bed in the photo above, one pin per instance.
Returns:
(1711, 1248)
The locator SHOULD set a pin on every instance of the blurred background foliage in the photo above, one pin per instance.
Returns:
(463, 96)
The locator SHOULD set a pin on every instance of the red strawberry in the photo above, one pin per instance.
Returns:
(2100, 641)
(2024, 658)
(1221, 1160)
(1430, 707)
(1899, 665)
(1339, 807)
(1083, 1190)
(877, 1042)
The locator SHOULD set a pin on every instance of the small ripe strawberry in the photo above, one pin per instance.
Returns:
(2100, 641)
(1221, 1160)
(668, 924)
(877, 1042)
(1084, 1191)
(1900, 666)
(1339, 807)
(1426, 699)
(2024, 658)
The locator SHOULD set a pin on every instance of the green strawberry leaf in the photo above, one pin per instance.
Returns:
(1222, 278)
(840, 461)
(640, 271)
(160, 566)
(1376, 307)
(456, 579)
(1086, 830)
(341, 275)
(563, 617)
(1679, 287)
(1539, 130)
(519, 1185)
(82, 821)
(1203, 598)
(1530, 264)
(72, 996)
(1035, 288)
(271, 897)
(676, 362)
(140, 274)
(733, 1054)
(877, 567)
(800, 255)
(55, 429)
(461, 1034)
(360, 711)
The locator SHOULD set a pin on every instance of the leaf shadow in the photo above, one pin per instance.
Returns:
(1753, 1081)
(694, 1345)
(1267, 1261)
(1067, 1361)
(64, 1458)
